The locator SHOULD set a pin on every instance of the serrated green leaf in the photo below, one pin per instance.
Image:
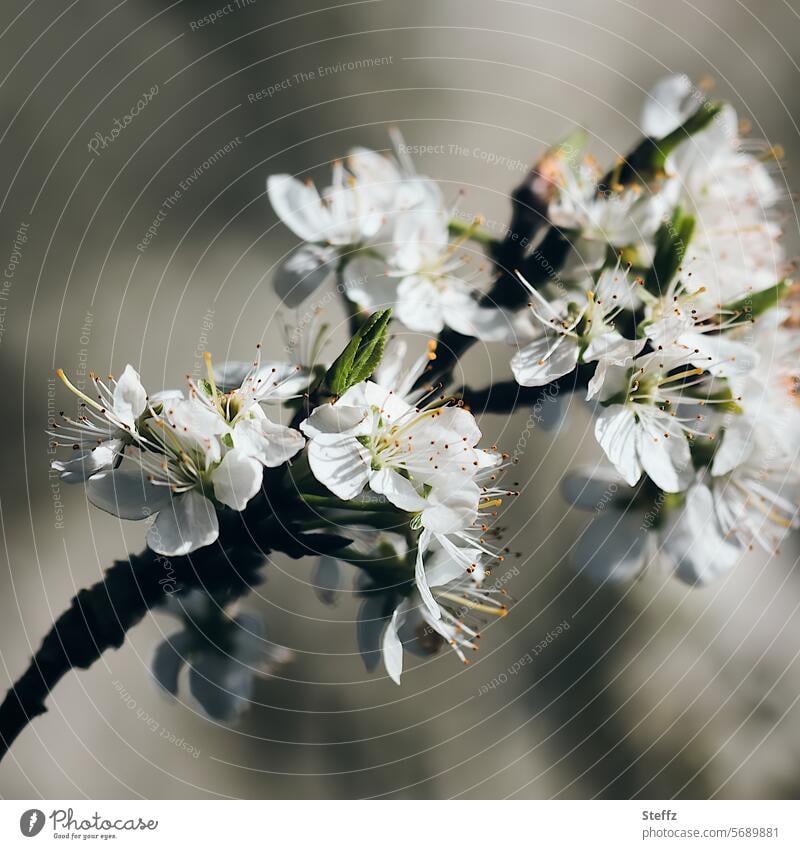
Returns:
(361, 356)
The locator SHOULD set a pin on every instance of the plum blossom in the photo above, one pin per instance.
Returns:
(418, 280)
(619, 216)
(463, 604)
(640, 428)
(633, 530)
(730, 191)
(196, 452)
(106, 426)
(365, 195)
(575, 333)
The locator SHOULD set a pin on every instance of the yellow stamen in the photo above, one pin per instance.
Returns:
(74, 389)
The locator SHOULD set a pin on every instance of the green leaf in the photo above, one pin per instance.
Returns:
(672, 240)
(648, 159)
(695, 123)
(362, 355)
(755, 304)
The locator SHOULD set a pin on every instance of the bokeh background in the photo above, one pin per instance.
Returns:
(655, 689)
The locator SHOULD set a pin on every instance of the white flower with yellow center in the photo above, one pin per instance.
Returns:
(575, 333)
(641, 428)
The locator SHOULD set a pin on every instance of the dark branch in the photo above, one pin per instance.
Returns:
(100, 617)
(509, 396)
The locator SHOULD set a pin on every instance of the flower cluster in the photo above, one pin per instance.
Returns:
(391, 239)
(695, 375)
(382, 455)
(665, 303)
(179, 456)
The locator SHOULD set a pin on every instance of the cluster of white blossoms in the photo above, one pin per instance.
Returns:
(389, 455)
(665, 301)
(695, 351)
(387, 234)
(179, 455)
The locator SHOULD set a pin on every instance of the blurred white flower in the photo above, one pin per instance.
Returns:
(224, 654)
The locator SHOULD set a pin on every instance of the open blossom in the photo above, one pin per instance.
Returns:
(575, 333)
(107, 424)
(373, 437)
(614, 215)
(193, 453)
(422, 458)
(730, 192)
(421, 278)
(463, 605)
(644, 430)
(632, 532)
(365, 195)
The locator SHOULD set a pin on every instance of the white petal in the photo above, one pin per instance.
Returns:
(664, 109)
(735, 447)
(721, 356)
(126, 494)
(442, 566)
(614, 348)
(615, 430)
(339, 419)
(302, 273)
(187, 523)
(269, 443)
(397, 489)
(420, 238)
(230, 374)
(391, 366)
(545, 360)
(419, 305)
(299, 206)
(451, 507)
(393, 649)
(614, 547)
(695, 543)
(130, 399)
(100, 459)
(420, 578)
(343, 466)
(237, 479)
(664, 453)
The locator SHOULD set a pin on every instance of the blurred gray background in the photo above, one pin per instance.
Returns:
(655, 690)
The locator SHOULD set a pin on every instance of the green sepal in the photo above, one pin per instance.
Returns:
(755, 304)
(671, 241)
